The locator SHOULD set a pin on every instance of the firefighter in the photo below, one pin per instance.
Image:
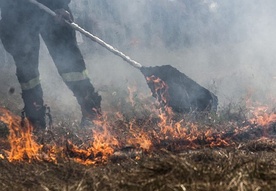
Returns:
(20, 26)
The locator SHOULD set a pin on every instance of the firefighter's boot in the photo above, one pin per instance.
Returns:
(34, 109)
(88, 99)
(91, 109)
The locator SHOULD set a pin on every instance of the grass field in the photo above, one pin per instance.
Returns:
(213, 152)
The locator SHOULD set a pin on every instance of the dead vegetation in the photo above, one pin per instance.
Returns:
(204, 169)
(248, 163)
(228, 151)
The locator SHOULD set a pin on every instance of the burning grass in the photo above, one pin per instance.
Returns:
(158, 151)
(205, 169)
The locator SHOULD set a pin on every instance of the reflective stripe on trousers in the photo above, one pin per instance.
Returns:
(30, 84)
(74, 76)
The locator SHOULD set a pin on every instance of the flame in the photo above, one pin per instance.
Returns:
(100, 148)
(83, 156)
(160, 89)
(23, 146)
(179, 129)
(262, 116)
(103, 141)
(140, 138)
(167, 131)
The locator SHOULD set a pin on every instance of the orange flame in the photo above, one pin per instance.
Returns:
(144, 136)
(23, 146)
(160, 89)
(171, 129)
(140, 138)
(103, 141)
(261, 116)
(101, 147)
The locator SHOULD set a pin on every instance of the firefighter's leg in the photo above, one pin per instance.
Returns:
(22, 42)
(32, 94)
(62, 45)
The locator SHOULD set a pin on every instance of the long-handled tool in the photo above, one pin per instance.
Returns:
(171, 87)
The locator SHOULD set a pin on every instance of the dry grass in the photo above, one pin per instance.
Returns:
(249, 163)
(205, 169)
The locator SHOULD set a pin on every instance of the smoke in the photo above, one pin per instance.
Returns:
(226, 46)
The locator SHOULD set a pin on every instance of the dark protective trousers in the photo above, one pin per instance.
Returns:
(20, 27)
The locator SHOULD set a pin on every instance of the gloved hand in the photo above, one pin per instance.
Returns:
(62, 16)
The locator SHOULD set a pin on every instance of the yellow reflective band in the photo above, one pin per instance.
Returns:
(30, 84)
(74, 76)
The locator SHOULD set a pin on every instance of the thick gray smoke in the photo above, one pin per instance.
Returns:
(226, 46)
